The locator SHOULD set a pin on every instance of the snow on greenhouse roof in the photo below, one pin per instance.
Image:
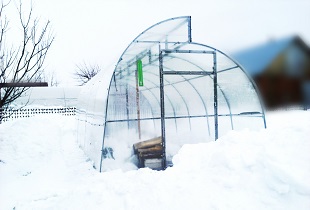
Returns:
(257, 59)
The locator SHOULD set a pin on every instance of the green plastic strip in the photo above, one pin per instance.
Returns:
(140, 72)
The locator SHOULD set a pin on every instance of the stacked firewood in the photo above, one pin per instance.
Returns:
(149, 153)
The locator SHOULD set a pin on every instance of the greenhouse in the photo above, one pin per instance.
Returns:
(165, 91)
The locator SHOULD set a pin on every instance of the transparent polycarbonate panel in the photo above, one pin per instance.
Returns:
(187, 131)
(126, 102)
(93, 143)
(202, 87)
(224, 63)
(146, 52)
(175, 97)
(152, 96)
(239, 91)
(120, 137)
(150, 78)
(172, 30)
(146, 45)
(225, 124)
(133, 112)
(201, 129)
(188, 62)
(187, 93)
(195, 47)
(223, 104)
(91, 116)
(248, 122)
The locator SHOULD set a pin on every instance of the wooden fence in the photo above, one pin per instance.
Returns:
(10, 114)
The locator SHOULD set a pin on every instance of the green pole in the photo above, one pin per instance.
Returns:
(140, 72)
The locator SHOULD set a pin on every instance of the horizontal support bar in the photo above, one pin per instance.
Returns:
(189, 51)
(227, 69)
(188, 73)
(243, 114)
(24, 84)
(157, 42)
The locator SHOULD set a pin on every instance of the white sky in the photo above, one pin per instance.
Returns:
(97, 31)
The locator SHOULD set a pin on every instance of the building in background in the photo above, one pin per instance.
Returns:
(281, 70)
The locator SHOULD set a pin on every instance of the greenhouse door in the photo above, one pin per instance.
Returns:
(177, 79)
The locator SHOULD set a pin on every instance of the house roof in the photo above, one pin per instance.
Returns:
(256, 59)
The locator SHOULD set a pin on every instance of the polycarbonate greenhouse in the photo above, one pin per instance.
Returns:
(165, 87)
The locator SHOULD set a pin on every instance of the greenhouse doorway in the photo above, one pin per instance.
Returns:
(178, 69)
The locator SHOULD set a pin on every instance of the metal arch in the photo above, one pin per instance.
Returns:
(248, 76)
(227, 102)
(187, 109)
(105, 122)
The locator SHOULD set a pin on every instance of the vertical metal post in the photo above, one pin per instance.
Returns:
(190, 29)
(162, 107)
(127, 106)
(138, 104)
(215, 96)
(150, 56)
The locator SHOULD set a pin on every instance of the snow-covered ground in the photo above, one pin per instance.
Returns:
(42, 167)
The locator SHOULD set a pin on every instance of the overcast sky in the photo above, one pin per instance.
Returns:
(97, 31)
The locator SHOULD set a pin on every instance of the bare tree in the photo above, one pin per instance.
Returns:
(24, 63)
(85, 72)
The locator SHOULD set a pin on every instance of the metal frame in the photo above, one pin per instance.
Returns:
(161, 76)
(163, 72)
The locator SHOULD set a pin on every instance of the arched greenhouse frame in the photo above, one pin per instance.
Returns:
(166, 89)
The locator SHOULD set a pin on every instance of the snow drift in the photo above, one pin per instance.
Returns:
(42, 167)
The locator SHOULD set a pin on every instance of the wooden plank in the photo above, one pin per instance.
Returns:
(156, 148)
(147, 144)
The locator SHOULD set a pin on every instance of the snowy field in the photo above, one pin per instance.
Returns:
(42, 167)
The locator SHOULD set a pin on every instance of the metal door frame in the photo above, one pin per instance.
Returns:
(162, 72)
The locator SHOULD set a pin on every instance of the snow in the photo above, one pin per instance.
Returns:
(42, 167)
